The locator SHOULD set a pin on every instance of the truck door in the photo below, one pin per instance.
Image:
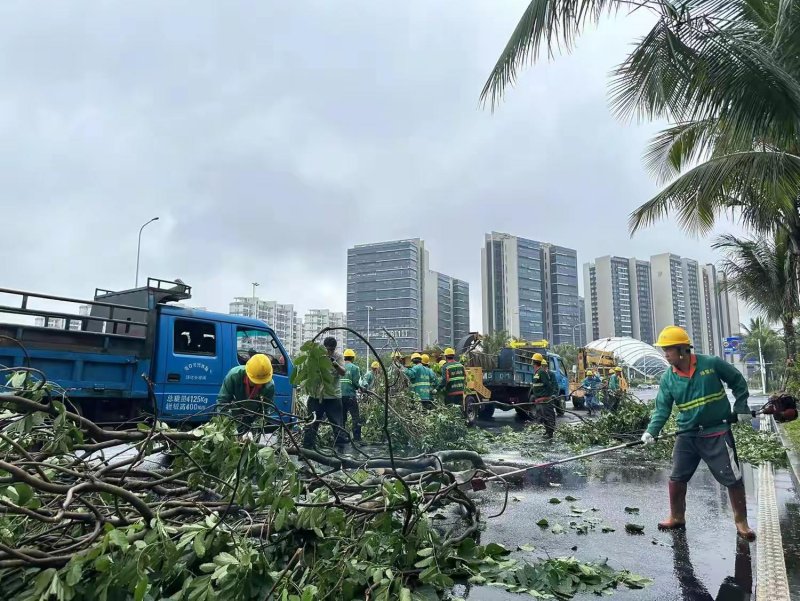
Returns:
(561, 376)
(251, 340)
(190, 367)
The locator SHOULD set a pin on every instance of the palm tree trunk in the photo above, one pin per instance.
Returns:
(789, 336)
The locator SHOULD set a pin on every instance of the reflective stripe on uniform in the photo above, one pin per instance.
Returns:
(456, 379)
(703, 400)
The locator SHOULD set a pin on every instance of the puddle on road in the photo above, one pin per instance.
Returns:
(703, 564)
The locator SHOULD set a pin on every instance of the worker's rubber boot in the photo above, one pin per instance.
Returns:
(739, 506)
(677, 507)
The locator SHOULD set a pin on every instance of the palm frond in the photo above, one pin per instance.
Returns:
(723, 182)
(551, 23)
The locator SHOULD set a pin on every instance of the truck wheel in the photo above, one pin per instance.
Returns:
(577, 402)
(486, 411)
(470, 409)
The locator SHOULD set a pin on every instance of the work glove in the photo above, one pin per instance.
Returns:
(647, 438)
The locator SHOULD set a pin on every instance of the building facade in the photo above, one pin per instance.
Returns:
(60, 323)
(316, 320)
(280, 317)
(529, 288)
(630, 297)
(385, 284)
(445, 313)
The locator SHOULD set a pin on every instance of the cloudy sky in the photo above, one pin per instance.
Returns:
(271, 136)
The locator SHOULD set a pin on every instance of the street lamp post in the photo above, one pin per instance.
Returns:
(255, 302)
(577, 325)
(369, 308)
(139, 248)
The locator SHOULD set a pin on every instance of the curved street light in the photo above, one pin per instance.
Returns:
(139, 248)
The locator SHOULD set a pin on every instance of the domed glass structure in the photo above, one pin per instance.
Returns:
(640, 357)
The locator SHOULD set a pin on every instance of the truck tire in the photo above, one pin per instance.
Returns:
(470, 409)
(486, 411)
(578, 402)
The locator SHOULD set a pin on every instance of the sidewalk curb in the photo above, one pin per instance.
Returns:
(792, 455)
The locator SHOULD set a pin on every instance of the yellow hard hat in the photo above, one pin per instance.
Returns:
(589, 372)
(415, 356)
(537, 357)
(442, 362)
(376, 365)
(350, 353)
(426, 358)
(449, 352)
(259, 369)
(673, 336)
(618, 369)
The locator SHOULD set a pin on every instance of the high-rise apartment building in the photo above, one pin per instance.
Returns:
(280, 317)
(630, 297)
(620, 300)
(385, 283)
(317, 319)
(445, 313)
(530, 288)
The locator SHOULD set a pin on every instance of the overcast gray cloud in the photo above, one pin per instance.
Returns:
(269, 137)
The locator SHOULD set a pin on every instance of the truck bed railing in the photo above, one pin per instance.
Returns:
(102, 317)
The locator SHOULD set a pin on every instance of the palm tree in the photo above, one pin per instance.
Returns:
(726, 73)
(763, 273)
(770, 347)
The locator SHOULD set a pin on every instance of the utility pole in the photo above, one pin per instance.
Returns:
(763, 373)
(139, 248)
(369, 308)
(255, 302)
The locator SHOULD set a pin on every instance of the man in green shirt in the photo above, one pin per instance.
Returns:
(351, 384)
(541, 395)
(420, 378)
(330, 405)
(453, 379)
(248, 392)
(370, 378)
(694, 385)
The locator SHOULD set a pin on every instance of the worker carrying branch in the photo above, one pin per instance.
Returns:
(541, 394)
(350, 385)
(695, 386)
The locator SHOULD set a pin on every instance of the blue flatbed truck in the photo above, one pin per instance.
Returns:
(104, 353)
(511, 380)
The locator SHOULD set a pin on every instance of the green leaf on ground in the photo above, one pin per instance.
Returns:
(555, 500)
(631, 510)
(634, 528)
(543, 523)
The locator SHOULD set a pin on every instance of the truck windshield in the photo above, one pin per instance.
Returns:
(250, 341)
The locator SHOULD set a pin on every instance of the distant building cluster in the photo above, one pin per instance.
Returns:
(529, 289)
(632, 297)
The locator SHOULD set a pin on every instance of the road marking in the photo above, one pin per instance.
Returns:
(771, 581)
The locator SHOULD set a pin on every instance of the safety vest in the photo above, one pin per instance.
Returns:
(420, 381)
(454, 378)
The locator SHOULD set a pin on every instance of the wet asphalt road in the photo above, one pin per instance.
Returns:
(695, 566)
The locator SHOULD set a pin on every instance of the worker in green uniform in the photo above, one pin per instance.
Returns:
(351, 384)
(370, 378)
(453, 379)
(248, 392)
(614, 394)
(541, 395)
(426, 363)
(419, 377)
(329, 406)
(694, 385)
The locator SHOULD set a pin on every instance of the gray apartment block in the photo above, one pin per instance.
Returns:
(445, 313)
